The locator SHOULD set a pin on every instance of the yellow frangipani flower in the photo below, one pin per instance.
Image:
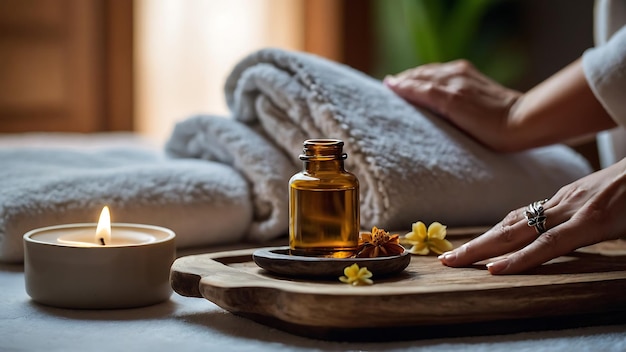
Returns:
(356, 276)
(423, 241)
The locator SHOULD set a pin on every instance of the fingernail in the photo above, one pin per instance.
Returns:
(390, 81)
(447, 257)
(497, 267)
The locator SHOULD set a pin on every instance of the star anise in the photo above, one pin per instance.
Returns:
(379, 243)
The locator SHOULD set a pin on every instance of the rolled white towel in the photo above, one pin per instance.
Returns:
(411, 164)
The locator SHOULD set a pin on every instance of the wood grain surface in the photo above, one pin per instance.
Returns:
(591, 281)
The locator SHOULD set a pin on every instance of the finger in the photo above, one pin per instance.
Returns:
(509, 235)
(422, 93)
(452, 99)
(553, 243)
(586, 226)
(415, 72)
(458, 69)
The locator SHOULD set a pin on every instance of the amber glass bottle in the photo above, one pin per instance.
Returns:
(323, 203)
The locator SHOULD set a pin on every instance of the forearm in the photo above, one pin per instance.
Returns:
(558, 109)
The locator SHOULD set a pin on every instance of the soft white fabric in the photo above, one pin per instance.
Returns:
(411, 165)
(204, 203)
(605, 70)
(265, 167)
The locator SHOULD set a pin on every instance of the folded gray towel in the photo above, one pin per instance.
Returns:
(411, 165)
(204, 203)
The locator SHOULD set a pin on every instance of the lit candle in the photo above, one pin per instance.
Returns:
(84, 237)
(103, 231)
(103, 265)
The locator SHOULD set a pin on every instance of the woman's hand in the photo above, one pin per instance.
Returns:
(588, 211)
(463, 95)
(558, 109)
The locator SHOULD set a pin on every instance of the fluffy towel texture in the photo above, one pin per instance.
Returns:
(411, 165)
(265, 167)
(204, 203)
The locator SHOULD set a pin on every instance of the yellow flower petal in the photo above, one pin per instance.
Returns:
(362, 282)
(409, 242)
(356, 276)
(436, 230)
(412, 237)
(420, 228)
(420, 248)
(439, 246)
(364, 273)
(423, 240)
(351, 271)
(418, 232)
(345, 279)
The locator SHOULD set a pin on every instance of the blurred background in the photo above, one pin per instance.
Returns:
(141, 65)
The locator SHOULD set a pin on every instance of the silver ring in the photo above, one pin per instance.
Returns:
(535, 216)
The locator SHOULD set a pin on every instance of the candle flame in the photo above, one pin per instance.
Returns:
(103, 231)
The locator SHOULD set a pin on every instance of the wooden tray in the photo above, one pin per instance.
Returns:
(586, 287)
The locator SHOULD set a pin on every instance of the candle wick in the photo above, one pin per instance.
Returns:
(102, 241)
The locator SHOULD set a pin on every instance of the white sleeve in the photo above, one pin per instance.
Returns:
(605, 71)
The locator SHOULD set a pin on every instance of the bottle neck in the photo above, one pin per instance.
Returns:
(323, 155)
(315, 166)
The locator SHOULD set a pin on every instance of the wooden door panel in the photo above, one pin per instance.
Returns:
(57, 71)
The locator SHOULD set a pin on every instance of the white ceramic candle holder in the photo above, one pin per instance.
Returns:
(64, 266)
